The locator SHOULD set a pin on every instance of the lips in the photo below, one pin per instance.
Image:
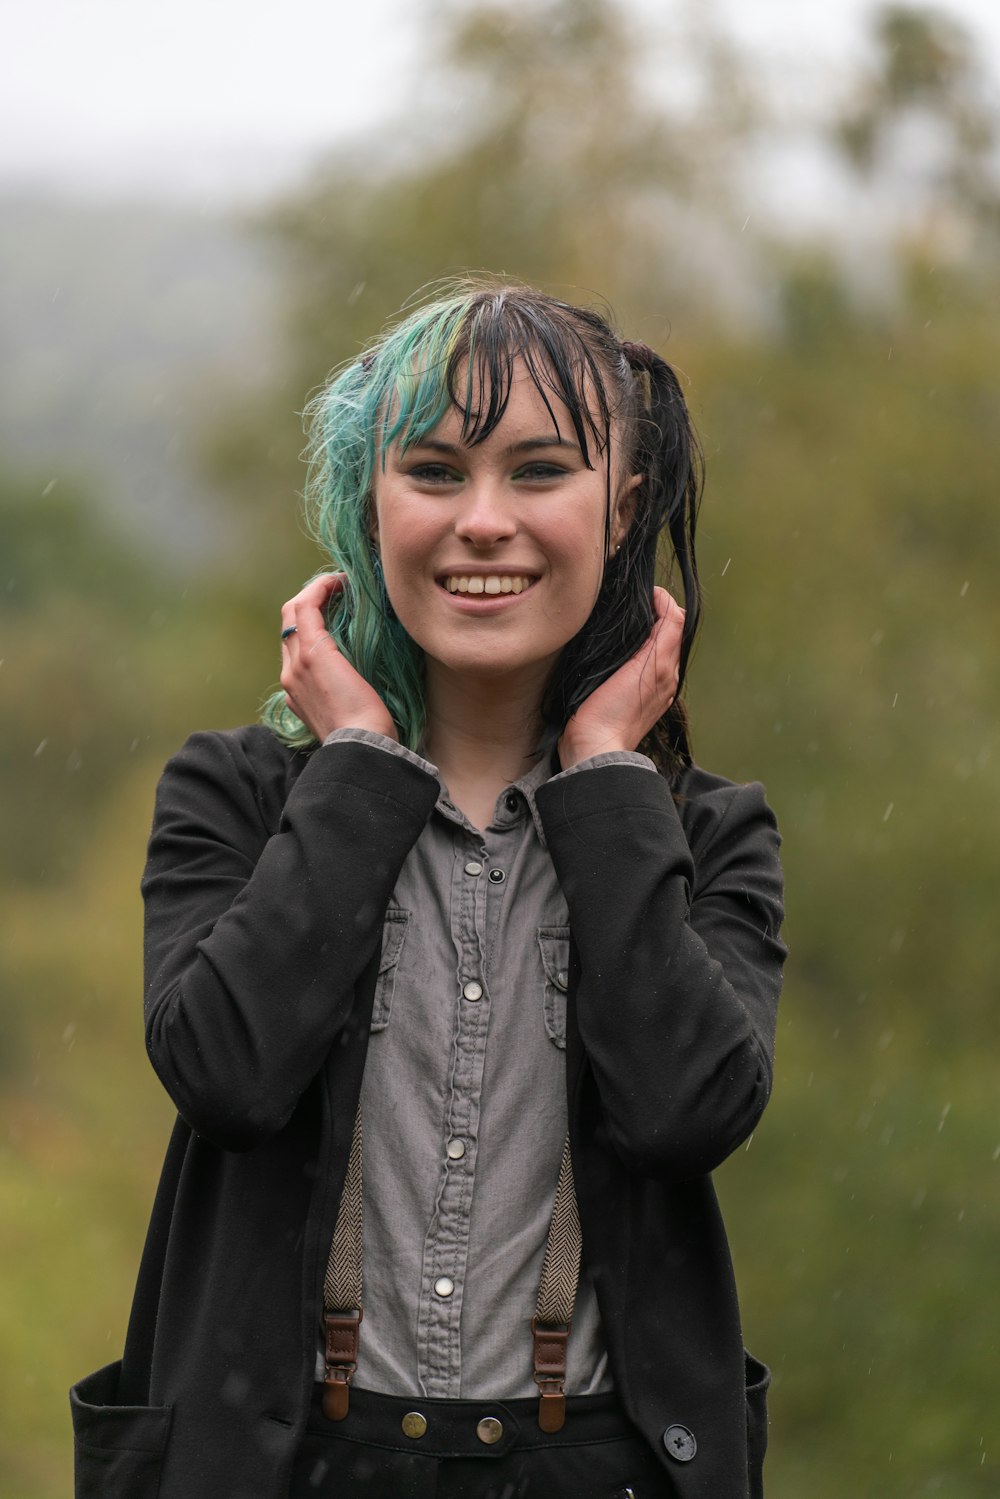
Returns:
(487, 583)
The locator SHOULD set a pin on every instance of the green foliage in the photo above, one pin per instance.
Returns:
(100, 651)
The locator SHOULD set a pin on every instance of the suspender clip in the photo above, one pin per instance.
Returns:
(549, 1345)
(343, 1333)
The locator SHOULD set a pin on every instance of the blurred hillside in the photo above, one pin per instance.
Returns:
(119, 323)
(843, 377)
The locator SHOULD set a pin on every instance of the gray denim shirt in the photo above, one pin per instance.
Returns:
(464, 1106)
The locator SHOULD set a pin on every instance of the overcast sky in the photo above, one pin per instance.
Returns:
(210, 97)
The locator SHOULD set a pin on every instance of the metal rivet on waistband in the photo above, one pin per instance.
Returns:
(489, 1430)
(414, 1424)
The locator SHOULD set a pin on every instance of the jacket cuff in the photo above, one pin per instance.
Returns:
(381, 742)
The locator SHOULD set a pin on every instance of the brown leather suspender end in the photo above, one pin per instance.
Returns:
(343, 1331)
(550, 1374)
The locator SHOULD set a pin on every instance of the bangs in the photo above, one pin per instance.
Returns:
(462, 354)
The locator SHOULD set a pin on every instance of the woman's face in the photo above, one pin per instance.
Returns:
(493, 555)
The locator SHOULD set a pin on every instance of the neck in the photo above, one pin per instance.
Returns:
(481, 735)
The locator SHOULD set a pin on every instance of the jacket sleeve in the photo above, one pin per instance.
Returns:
(254, 938)
(679, 958)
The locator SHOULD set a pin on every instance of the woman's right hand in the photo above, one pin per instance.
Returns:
(321, 686)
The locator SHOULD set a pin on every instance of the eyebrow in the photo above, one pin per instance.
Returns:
(529, 445)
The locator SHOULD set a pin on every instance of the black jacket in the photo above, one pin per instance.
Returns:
(268, 875)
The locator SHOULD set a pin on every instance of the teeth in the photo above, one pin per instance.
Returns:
(491, 583)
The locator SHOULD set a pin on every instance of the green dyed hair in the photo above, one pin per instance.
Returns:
(461, 350)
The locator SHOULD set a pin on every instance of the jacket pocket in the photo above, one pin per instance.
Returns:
(758, 1378)
(393, 935)
(553, 944)
(118, 1449)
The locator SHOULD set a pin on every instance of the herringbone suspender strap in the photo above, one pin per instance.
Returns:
(550, 1326)
(342, 1288)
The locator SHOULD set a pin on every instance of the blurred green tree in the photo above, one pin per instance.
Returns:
(926, 113)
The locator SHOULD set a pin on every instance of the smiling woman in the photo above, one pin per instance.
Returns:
(461, 974)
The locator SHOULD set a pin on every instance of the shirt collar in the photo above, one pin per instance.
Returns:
(511, 802)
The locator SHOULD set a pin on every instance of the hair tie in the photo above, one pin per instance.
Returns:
(639, 356)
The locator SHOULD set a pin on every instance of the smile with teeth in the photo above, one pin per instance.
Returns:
(487, 583)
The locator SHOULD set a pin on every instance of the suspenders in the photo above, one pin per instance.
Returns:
(343, 1302)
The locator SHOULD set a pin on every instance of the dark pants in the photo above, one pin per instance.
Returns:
(597, 1455)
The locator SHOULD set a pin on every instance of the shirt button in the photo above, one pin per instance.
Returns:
(510, 802)
(444, 1287)
(680, 1443)
(456, 1150)
(497, 876)
(414, 1424)
(562, 978)
(473, 868)
(472, 990)
(489, 1430)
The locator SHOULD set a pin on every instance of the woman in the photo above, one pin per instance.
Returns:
(459, 924)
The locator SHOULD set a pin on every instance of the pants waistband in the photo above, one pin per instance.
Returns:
(468, 1428)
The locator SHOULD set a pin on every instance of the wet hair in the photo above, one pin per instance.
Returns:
(628, 416)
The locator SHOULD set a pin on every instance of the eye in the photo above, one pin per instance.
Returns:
(540, 472)
(434, 473)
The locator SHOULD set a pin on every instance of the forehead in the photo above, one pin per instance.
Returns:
(527, 406)
(478, 400)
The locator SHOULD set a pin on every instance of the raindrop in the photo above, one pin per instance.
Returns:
(964, 589)
(888, 812)
(50, 486)
(39, 747)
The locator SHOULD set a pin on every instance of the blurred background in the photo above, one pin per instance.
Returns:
(799, 206)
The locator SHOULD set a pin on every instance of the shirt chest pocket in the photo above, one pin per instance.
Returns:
(553, 944)
(393, 937)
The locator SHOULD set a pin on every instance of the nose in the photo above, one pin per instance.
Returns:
(485, 516)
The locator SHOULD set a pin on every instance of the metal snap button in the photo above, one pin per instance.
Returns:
(562, 978)
(472, 990)
(680, 1443)
(414, 1424)
(510, 802)
(489, 1430)
(456, 1150)
(444, 1286)
(497, 876)
(473, 867)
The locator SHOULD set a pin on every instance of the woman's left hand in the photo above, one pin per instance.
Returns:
(618, 714)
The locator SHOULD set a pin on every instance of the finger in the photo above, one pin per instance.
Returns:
(306, 611)
(664, 603)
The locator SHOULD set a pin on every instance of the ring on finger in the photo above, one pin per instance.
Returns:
(289, 630)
